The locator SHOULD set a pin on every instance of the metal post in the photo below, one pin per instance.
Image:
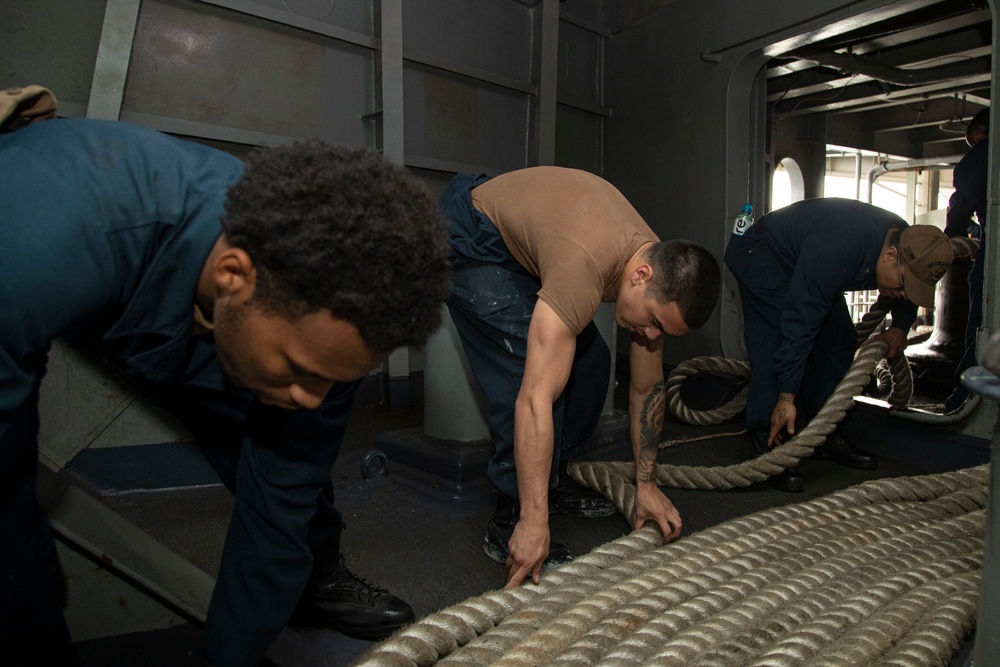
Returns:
(547, 79)
(983, 382)
(108, 87)
(454, 407)
(391, 54)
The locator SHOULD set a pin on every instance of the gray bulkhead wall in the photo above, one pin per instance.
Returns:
(686, 141)
(441, 86)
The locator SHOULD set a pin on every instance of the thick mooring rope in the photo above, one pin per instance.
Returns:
(690, 367)
(886, 573)
(613, 478)
(883, 573)
(896, 374)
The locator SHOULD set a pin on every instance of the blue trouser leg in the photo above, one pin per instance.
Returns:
(492, 301)
(763, 284)
(829, 360)
(586, 392)
(277, 463)
(761, 333)
(975, 320)
(831, 357)
(32, 588)
(218, 419)
(491, 305)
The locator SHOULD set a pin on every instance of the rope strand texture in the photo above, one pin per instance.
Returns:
(779, 587)
(614, 479)
(885, 572)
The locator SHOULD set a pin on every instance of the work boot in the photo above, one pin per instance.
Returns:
(571, 499)
(501, 527)
(788, 480)
(839, 449)
(340, 599)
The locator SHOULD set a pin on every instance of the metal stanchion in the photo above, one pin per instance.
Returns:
(983, 380)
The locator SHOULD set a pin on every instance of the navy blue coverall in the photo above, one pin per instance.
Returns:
(793, 267)
(969, 179)
(492, 300)
(104, 231)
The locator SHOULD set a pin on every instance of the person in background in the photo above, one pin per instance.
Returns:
(793, 267)
(249, 299)
(535, 252)
(969, 198)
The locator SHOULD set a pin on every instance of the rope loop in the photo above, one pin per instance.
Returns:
(963, 246)
(615, 481)
(895, 374)
(691, 367)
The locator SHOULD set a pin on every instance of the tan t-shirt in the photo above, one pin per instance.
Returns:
(570, 229)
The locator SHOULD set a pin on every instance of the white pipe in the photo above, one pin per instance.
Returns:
(908, 165)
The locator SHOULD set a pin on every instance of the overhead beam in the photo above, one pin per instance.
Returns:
(870, 94)
(935, 40)
(914, 74)
(839, 26)
(970, 61)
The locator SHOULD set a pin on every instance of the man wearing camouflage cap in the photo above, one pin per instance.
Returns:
(793, 267)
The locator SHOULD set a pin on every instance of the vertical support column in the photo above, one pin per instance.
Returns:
(911, 196)
(455, 408)
(988, 624)
(391, 61)
(391, 55)
(991, 252)
(857, 175)
(987, 645)
(747, 173)
(932, 187)
(108, 87)
(605, 321)
(547, 83)
(983, 422)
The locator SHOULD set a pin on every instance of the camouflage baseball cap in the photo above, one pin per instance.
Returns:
(26, 105)
(926, 253)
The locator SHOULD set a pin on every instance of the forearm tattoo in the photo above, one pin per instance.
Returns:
(650, 425)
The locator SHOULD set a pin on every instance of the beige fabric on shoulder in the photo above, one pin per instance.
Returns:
(22, 106)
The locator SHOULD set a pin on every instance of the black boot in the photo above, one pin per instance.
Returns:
(839, 449)
(571, 499)
(789, 480)
(340, 599)
(501, 527)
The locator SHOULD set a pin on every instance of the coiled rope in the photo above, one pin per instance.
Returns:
(897, 374)
(613, 479)
(885, 572)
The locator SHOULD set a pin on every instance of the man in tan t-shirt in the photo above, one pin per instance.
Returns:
(535, 252)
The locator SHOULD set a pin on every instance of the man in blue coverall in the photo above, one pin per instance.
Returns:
(249, 299)
(793, 267)
(969, 198)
